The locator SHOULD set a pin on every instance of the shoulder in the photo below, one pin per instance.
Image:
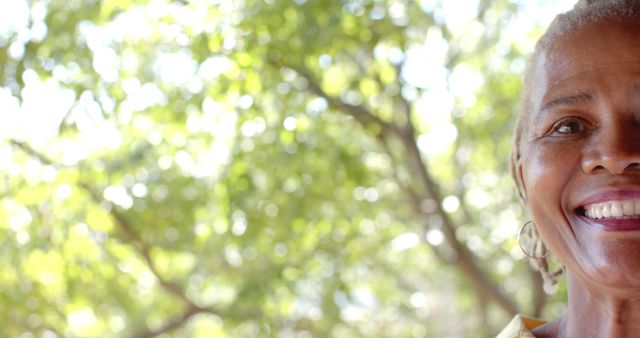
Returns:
(520, 327)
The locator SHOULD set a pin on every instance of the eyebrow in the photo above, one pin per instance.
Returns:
(567, 100)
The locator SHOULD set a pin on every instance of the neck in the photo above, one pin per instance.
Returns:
(594, 312)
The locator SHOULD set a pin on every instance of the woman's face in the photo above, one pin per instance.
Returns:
(580, 164)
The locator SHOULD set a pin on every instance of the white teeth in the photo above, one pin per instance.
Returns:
(627, 207)
(614, 209)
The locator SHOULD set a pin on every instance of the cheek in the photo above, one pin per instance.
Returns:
(546, 170)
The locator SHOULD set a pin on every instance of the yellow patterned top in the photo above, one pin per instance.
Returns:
(520, 327)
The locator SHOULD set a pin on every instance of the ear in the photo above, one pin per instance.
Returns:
(522, 187)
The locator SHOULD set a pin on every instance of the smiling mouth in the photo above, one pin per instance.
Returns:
(619, 209)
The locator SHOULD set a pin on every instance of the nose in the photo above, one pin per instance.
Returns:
(615, 149)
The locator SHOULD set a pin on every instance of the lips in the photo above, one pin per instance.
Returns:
(612, 210)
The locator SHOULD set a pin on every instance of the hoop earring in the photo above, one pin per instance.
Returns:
(530, 243)
(533, 247)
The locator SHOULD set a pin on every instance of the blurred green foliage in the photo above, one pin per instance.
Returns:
(274, 168)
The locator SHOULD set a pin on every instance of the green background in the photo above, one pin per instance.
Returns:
(275, 168)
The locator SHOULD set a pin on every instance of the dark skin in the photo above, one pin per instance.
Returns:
(581, 148)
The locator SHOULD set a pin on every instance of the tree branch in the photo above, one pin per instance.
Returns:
(171, 325)
(359, 113)
(33, 153)
(464, 259)
(133, 238)
(414, 199)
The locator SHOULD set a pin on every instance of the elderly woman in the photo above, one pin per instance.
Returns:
(576, 162)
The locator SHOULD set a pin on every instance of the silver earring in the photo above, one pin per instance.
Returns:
(533, 247)
(530, 243)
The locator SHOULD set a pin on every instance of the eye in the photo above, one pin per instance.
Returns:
(569, 126)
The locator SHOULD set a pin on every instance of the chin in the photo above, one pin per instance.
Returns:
(617, 276)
